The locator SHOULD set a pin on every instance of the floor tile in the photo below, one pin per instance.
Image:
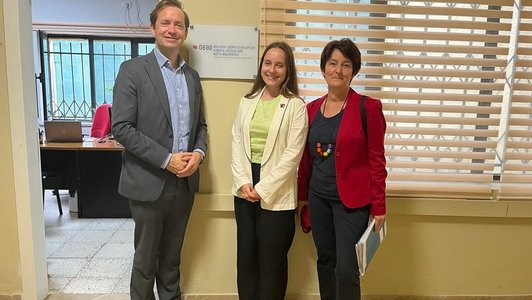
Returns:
(58, 235)
(123, 285)
(58, 283)
(88, 259)
(113, 297)
(92, 236)
(127, 273)
(105, 224)
(105, 268)
(63, 296)
(51, 247)
(77, 250)
(91, 285)
(129, 224)
(67, 222)
(116, 251)
(65, 267)
(122, 237)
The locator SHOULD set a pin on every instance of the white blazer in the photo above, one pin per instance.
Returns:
(282, 152)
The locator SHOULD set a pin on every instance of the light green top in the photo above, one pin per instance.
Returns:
(260, 126)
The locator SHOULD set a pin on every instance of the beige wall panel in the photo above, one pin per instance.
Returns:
(10, 280)
(426, 255)
(221, 103)
(221, 96)
(229, 12)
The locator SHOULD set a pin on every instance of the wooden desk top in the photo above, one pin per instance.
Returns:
(92, 144)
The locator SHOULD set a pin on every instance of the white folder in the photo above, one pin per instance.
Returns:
(367, 245)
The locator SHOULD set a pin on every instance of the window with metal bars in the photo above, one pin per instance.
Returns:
(79, 72)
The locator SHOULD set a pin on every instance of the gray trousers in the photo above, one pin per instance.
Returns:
(159, 234)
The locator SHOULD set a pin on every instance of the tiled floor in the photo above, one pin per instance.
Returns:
(86, 256)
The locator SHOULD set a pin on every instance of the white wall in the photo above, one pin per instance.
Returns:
(92, 11)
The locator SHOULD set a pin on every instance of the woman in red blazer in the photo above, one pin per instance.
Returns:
(342, 173)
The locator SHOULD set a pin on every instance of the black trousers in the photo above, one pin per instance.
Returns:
(159, 234)
(335, 230)
(264, 238)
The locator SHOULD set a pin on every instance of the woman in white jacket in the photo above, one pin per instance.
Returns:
(269, 134)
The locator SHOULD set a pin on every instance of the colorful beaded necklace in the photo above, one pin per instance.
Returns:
(330, 146)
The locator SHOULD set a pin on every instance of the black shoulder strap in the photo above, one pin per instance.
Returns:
(363, 116)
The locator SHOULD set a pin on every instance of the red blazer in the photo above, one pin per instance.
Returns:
(360, 166)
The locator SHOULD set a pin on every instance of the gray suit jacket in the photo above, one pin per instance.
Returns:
(142, 124)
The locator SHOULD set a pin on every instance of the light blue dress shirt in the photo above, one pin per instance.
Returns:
(178, 100)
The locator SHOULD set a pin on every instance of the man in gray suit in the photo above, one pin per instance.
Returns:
(158, 118)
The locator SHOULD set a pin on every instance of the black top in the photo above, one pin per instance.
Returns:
(323, 178)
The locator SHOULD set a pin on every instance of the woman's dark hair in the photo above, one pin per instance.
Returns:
(348, 49)
(164, 4)
(289, 86)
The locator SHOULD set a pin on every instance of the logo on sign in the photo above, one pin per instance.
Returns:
(202, 47)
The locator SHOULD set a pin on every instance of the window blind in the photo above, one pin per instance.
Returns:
(516, 179)
(453, 78)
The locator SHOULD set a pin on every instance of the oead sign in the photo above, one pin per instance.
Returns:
(218, 51)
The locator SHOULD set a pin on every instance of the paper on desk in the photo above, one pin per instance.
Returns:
(367, 245)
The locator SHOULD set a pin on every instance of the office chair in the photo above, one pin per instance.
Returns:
(52, 181)
(101, 122)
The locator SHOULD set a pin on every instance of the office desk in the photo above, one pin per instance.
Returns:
(92, 168)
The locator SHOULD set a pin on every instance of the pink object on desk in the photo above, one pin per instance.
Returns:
(101, 123)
